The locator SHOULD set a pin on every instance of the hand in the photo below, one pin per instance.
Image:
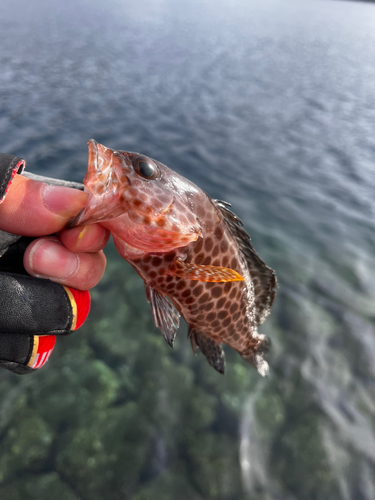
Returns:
(72, 257)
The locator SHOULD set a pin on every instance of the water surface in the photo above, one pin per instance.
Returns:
(270, 106)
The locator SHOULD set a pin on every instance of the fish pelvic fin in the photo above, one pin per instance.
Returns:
(199, 272)
(211, 349)
(166, 316)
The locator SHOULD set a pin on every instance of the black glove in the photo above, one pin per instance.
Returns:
(32, 310)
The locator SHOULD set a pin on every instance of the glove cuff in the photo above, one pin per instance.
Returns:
(80, 302)
(32, 312)
(25, 353)
(42, 349)
(40, 306)
(9, 167)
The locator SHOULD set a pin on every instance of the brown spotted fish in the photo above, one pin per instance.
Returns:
(186, 247)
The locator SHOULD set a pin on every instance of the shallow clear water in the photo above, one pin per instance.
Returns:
(271, 106)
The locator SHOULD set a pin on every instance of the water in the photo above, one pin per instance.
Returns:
(268, 105)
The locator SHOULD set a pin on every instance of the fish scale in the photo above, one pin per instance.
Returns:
(192, 252)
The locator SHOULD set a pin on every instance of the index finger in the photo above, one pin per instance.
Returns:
(32, 208)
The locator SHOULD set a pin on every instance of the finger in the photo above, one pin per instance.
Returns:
(23, 354)
(85, 238)
(32, 208)
(12, 260)
(48, 258)
(35, 306)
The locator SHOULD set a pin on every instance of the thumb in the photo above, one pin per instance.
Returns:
(32, 208)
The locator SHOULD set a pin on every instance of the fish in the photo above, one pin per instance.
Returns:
(192, 252)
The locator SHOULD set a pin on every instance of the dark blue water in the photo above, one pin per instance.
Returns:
(271, 106)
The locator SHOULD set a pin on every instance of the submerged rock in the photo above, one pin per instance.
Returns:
(37, 488)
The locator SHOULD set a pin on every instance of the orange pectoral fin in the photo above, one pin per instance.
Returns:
(205, 273)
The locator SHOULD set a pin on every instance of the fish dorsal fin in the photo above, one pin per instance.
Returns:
(263, 277)
(211, 349)
(166, 316)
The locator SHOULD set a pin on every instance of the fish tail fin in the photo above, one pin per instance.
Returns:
(255, 355)
(211, 349)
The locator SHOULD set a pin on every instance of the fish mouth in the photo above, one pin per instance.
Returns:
(99, 156)
(102, 164)
(93, 152)
(102, 182)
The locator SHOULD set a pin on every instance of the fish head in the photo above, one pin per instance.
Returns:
(139, 199)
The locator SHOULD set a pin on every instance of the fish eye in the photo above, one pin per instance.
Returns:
(145, 167)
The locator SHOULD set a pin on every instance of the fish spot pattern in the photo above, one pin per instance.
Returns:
(217, 309)
(182, 230)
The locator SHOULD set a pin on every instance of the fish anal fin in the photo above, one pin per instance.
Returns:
(166, 316)
(210, 348)
(198, 272)
(193, 340)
